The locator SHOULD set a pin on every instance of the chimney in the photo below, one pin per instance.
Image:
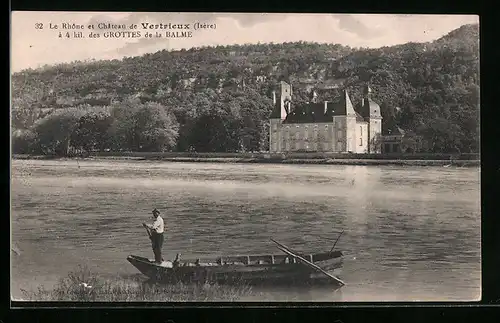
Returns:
(274, 97)
(367, 91)
(326, 107)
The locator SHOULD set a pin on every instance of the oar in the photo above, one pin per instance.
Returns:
(309, 264)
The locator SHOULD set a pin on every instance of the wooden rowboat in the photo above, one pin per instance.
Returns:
(288, 268)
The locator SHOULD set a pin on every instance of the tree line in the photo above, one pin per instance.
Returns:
(217, 99)
(207, 122)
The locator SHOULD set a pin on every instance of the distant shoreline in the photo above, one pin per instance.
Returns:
(247, 158)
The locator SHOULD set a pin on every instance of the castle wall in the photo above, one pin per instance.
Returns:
(362, 137)
(340, 130)
(343, 134)
(327, 137)
(307, 137)
(375, 131)
(351, 134)
(275, 140)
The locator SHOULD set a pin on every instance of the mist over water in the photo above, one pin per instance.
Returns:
(411, 233)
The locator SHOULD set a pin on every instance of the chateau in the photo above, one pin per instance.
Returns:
(327, 126)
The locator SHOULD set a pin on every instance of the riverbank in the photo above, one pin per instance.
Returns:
(86, 286)
(262, 158)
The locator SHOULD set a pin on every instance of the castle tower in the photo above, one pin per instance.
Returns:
(282, 105)
(285, 98)
(371, 113)
(314, 96)
(350, 123)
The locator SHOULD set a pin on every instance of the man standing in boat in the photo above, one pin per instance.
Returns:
(156, 234)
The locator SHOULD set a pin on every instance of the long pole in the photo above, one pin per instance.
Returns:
(285, 249)
(336, 241)
(149, 233)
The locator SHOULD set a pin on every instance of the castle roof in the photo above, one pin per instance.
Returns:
(320, 112)
(372, 104)
(317, 112)
(312, 112)
(359, 118)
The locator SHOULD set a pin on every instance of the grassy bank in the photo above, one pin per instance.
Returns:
(298, 158)
(326, 161)
(84, 285)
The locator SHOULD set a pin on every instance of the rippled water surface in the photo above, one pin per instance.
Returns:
(411, 233)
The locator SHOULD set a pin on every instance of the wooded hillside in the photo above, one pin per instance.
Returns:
(218, 98)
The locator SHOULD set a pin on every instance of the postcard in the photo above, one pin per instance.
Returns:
(244, 157)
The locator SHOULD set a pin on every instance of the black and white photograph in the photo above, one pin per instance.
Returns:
(244, 157)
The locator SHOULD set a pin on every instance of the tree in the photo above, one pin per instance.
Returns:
(54, 132)
(23, 141)
(143, 126)
(216, 130)
(92, 131)
(23, 117)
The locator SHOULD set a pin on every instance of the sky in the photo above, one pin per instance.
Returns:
(32, 48)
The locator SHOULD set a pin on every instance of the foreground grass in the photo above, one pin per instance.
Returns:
(83, 285)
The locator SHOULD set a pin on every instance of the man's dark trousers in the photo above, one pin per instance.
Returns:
(157, 242)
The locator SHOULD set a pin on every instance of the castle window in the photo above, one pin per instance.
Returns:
(361, 136)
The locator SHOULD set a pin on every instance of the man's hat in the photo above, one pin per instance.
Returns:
(155, 211)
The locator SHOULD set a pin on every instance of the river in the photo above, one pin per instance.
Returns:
(411, 233)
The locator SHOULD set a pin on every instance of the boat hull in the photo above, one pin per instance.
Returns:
(275, 273)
